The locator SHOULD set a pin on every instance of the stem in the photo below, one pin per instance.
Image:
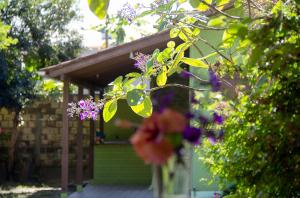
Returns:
(210, 45)
(257, 6)
(175, 85)
(197, 48)
(196, 77)
(220, 11)
(249, 9)
(203, 27)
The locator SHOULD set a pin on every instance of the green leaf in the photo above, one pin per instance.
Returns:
(183, 37)
(149, 64)
(135, 97)
(194, 3)
(117, 83)
(161, 78)
(133, 75)
(99, 7)
(144, 109)
(278, 6)
(171, 44)
(202, 7)
(209, 55)
(218, 22)
(174, 32)
(109, 110)
(194, 62)
(222, 3)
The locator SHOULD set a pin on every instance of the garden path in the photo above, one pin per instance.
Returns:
(91, 191)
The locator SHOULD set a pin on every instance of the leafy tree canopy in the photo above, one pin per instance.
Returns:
(43, 38)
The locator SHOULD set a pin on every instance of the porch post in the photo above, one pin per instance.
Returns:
(101, 121)
(65, 139)
(91, 144)
(79, 151)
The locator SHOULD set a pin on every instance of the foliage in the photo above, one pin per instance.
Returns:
(260, 152)
(43, 39)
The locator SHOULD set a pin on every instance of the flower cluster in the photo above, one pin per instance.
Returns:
(141, 61)
(85, 109)
(128, 12)
(158, 3)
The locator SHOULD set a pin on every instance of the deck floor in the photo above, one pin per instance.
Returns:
(91, 191)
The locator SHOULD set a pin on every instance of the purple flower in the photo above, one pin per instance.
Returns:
(211, 137)
(218, 119)
(82, 116)
(221, 134)
(189, 115)
(127, 12)
(93, 115)
(82, 104)
(192, 134)
(185, 74)
(214, 81)
(141, 61)
(193, 99)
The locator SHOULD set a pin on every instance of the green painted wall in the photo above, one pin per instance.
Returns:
(114, 133)
(200, 173)
(119, 165)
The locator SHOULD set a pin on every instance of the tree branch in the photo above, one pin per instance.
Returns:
(175, 85)
(220, 11)
(210, 45)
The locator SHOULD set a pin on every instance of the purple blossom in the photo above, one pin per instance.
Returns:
(214, 81)
(189, 115)
(82, 104)
(211, 137)
(185, 74)
(82, 116)
(192, 134)
(93, 115)
(221, 134)
(193, 99)
(218, 119)
(141, 61)
(127, 12)
(85, 109)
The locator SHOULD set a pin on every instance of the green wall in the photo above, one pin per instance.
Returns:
(200, 173)
(114, 133)
(119, 165)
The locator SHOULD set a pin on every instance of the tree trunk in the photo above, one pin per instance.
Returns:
(12, 145)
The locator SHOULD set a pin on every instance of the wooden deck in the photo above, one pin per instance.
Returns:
(91, 191)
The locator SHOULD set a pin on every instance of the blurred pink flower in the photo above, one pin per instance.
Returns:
(150, 141)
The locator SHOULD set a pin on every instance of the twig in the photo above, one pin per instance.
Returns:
(175, 85)
(249, 9)
(197, 48)
(210, 45)
(196, 77)
(220, 11)
(203, 27)
(257, 6)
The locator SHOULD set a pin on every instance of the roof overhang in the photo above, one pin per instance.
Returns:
(103, 67)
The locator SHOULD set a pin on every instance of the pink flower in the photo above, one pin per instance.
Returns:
(150, 141)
